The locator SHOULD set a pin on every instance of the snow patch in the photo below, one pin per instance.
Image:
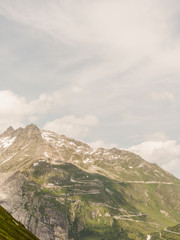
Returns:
(78, 150)
(106, 153)
(86, 160)
(93, 152)
(71, 143)
(60, 143)
(52, 138)
(47, 136)
(7, 141)
(86, 152)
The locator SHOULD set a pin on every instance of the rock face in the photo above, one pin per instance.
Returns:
(60, 188)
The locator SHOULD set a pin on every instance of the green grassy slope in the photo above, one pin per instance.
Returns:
(171, 233)
(10, 229)
(97, 207)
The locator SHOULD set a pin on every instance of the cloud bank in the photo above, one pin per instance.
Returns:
(15, 110)
(166, 153)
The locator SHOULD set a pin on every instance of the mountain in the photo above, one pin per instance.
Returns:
(61, 188)
(10, 229)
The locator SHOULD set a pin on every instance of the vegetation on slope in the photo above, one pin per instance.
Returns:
(10, 229)
(171, 233)
(95, 205)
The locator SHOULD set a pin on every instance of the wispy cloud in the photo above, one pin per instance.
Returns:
(72, 126)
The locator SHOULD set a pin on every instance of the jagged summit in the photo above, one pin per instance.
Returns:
(32, 130)
(32, 127)
(8, 131)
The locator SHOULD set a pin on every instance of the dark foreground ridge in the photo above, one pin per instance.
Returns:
(10, 229)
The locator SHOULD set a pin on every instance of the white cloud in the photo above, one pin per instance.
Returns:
(11, 109)
(16, 110)
(101, 143)
(173, 167)
(45, 101)
(165, 153)
(162, 96)
(72, 126)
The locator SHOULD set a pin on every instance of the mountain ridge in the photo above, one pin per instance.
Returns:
(62, 188)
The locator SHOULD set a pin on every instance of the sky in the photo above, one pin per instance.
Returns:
(106, 72)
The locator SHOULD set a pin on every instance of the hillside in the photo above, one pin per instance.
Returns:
(171, 233)
(60, 188)
(10, 229)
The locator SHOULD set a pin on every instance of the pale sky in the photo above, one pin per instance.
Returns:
(106, 72)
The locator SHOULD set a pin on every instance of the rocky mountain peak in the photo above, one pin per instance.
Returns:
(32, 127)
(10, 130)
(115, 150)
(31, 131)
